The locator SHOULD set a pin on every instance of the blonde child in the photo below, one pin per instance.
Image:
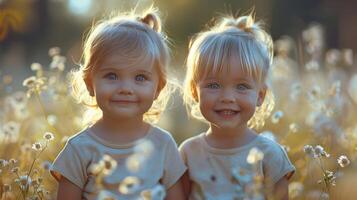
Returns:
(122, 155)
(225, 85)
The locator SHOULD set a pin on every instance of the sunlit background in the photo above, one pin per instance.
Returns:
(314, 80)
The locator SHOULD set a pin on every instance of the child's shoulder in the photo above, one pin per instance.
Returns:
(194, 141)
(80, 138)
(276, 161)
(160, 134)
(268, 145)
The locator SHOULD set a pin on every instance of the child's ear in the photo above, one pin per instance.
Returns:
(89, 86)
(261, 95)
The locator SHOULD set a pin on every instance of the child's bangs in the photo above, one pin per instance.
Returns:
(224, 51)
(130, 47)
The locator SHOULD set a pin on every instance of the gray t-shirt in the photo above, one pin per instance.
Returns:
(152, 160)
(214, 172)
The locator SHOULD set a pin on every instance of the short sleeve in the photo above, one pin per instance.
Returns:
(276, 164)
(174, 167)
(70, 165)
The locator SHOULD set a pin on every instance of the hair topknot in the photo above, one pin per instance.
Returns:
(152, 19)
(243, 23)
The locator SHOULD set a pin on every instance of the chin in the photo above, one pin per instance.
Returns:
(122, 115)
(223, 125)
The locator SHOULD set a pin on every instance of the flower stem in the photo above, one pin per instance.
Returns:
(37, 94)
(324, 174)
(33, 163)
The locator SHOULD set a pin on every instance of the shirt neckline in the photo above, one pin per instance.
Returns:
(120, 146)
(228, 151)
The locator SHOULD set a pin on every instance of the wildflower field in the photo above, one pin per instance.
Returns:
(314, 117)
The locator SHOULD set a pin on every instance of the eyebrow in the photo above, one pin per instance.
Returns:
(241, 79)
(101, 69)
(144, 71)
(115, 69)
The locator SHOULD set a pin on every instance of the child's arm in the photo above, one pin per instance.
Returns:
(281, 189)
(186, 184)
(176, 191)
(68, 191)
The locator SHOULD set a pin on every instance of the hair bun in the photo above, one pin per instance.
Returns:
(153, 21)
(244, 23)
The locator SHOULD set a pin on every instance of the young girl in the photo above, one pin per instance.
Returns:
(122, 156)
(225, 82)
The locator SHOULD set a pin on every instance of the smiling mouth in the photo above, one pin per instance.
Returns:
(123, 101)
(227, 113)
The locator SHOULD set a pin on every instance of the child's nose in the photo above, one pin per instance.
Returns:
(227, 96)
(125, 87)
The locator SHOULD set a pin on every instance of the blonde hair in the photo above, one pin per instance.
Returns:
(138, 37)
(231, 41)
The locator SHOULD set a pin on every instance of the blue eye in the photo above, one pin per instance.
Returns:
(213, 85)
(242, 87)
(140, 78)
(111, 76)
